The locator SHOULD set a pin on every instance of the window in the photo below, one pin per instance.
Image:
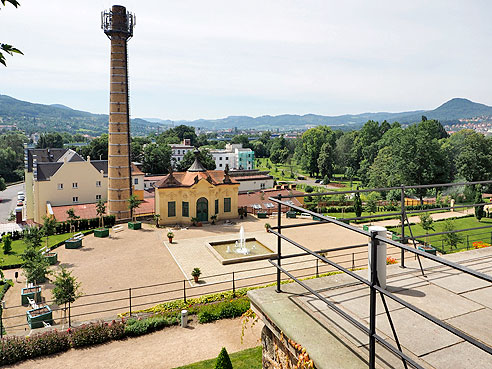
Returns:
(227, 205)
(75, 185)
(220, 157)
(98, 183)
(135, 180)
(186, 208)
(227, 158)
(269, 205)
(220, 165)
(75, 199)
(98, 197)
(60, 186)
(216, 206)
(179, 152)
(262, 185)
(257, 206)
(171, 209)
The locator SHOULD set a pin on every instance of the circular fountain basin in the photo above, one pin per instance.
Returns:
(225, 251)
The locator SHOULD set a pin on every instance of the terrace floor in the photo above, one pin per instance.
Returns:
(463, 301)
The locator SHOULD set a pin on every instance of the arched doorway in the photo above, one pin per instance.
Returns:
(202, 209)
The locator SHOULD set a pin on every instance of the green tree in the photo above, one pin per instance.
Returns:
(101, 210)
(67, 288)
(9, 49)
(157, 159)
(325, 161)
(426, 222)
(372, 202)
(223, 360)
(35, 265)
(479, 212)
(7, 243)
(50, 141)
(32, 236)
(72, 219)
(357, 204)
(474, 162)
(204, 156)
(133, 203)
(241, 139)
(452, 238)
(49, 227)
(309, 148)
(3, 186)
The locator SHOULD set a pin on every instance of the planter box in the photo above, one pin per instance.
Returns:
(135, 225)
(262, 215)
(52, 257)
(291, 214)
(73, 244)
(365, 227)
(316, 218)
(427, 248)
(33, 293)
(36, 317)
(101, 232)
(395, 237)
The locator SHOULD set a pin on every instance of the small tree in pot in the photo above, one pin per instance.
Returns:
(196, 273)
(213, 218)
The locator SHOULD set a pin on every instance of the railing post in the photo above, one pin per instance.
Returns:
(233, 286)
(467, 242)
(130, 299)
(317, 267)
(372, 301)
(402, 220)
(353, 261)
(69, 315)
(184, 291)
(279, 241)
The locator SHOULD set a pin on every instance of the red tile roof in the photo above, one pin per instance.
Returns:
(187, 179)
(261, 198)
(87, 211)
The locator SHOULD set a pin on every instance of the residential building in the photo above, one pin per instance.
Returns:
(197, 193)
(178, 151)
(235, 156)
(252, 180)
(60, 177)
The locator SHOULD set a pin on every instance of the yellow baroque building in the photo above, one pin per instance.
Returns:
(197, 193)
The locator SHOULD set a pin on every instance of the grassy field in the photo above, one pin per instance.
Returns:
(246, 359)
(467, 237)
(18, 247)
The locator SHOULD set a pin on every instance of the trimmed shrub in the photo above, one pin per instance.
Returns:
(96, 333)
(223, 360)
(14, 349)
(137, 327)
(223, 310)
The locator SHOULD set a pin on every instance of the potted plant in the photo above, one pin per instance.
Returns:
(196, 273)
(194, 221)
(267, 226)
(101, 210)
(170, 236)
(156, 218)
(213, 218)
(133, 203)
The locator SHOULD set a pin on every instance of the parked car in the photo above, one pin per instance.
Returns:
(20, 203)
(317, 181)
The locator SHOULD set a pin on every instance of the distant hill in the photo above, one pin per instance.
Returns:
(49, 118)
(447, 113)
(39, 118)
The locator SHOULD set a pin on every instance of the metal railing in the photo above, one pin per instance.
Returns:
(107, 304)
(373, 283)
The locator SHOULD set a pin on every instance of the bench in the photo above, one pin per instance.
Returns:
(305, 216)
(46, 324)
(78, 236)
(117, 228)
(32, 303)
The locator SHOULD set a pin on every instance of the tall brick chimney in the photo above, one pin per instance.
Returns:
(118, 25)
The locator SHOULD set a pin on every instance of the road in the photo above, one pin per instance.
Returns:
(9, 201)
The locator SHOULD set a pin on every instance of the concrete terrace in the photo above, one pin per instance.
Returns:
(463, 301)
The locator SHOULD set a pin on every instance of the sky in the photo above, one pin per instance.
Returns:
(192, 59)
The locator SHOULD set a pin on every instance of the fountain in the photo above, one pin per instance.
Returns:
(242, 249)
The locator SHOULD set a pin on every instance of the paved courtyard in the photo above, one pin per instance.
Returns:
(135, 259)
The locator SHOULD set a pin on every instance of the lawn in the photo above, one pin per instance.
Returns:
(18, 247)
(246, 359)
(467, 237)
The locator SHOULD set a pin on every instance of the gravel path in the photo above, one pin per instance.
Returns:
(166, 349)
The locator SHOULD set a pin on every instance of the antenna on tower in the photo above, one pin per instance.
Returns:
(118, 20)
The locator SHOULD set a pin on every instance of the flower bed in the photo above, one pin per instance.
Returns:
(480, 245)
(33, 293)
(52, 257)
